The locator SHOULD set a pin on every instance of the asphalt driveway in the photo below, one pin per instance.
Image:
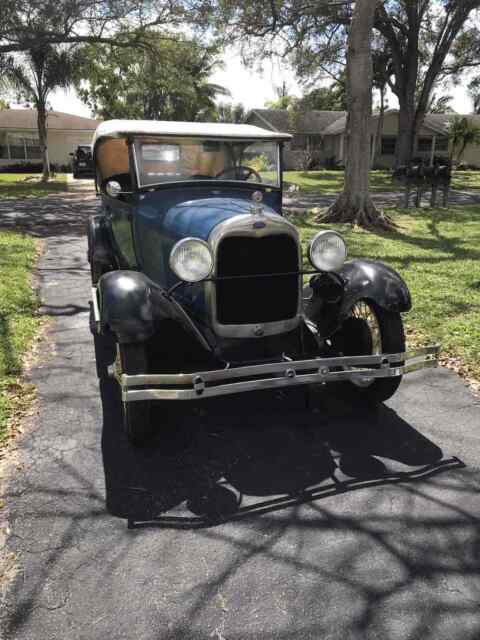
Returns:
(274, 521)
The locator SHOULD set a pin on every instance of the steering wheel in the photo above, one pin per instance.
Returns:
(240, 173)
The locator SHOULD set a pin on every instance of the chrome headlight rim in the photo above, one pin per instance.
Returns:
(174, 253)
(321, 235)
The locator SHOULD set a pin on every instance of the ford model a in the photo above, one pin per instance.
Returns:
(199, 277)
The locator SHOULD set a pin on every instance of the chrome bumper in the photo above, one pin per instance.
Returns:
(207, 384)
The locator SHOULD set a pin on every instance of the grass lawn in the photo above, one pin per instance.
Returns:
(331, 182)
(21, 185)
(438, 254)
(18, 322)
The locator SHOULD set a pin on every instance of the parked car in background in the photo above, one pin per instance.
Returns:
(82, 162)
(200, 279)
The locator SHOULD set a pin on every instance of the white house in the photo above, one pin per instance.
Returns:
(19, 136)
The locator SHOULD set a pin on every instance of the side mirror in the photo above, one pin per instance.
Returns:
(113, 188)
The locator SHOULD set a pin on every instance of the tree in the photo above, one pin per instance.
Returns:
(428, 40)
(420, 35)
(355, 205)
(440, 104)
(34, 75)
(283, 100)
(130, 83)
(462, 132)
(331, 98)
(381, 61)
(235, 113)
(474, 91)
(33, 24)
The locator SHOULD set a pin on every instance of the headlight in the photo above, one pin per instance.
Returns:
(191, 260)
(327, 251)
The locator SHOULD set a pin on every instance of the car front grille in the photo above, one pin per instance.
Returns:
(262, 299)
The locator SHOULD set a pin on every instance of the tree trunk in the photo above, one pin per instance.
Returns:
(381, 119)
(406, 131)
(355, 205)
(42, 138)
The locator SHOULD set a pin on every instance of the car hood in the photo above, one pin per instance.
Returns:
(160, 224)
(196, 218)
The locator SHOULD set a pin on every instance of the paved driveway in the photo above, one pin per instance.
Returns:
(367, 553)
(301, 201)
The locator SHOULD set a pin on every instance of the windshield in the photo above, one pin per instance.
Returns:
(161, 160)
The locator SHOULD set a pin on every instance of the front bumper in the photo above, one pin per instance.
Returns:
(220, 382)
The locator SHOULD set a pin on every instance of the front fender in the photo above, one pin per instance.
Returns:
(125, 305)
(133, 307)
(329, 300)
(371, 280)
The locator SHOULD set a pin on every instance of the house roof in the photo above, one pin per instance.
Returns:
(337, 126)
(119, 128)
(309, 122)
(436, 122)
(27, 119)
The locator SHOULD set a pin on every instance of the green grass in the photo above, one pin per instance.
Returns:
(18, 322)
(437, 252)
(466, 180)
(22, 185)
(331, 182)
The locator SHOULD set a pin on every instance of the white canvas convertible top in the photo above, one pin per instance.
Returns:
(120, 128)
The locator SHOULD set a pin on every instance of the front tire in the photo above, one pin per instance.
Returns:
(370, 330)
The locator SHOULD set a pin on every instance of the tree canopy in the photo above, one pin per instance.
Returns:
(166, 80)
(28, 24)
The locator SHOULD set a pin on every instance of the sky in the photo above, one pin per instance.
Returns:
(251, 87)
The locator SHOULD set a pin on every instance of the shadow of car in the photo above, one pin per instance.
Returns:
(225, 458)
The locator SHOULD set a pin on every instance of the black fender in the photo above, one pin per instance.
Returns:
(99, 250)
(133, 307)
(328, 305)
(372, 280)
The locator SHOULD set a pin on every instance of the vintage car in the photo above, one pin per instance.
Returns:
(200, 278)
(82, 162)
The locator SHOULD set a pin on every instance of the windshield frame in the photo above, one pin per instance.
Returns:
(207, 181)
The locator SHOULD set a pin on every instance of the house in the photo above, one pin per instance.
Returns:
(324, 132)
(307, 131)
(19, 136)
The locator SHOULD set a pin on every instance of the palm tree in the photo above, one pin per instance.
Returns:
(34, 75)
(462, 133)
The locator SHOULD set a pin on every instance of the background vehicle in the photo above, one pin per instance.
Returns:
(82, 162)
(199, 277)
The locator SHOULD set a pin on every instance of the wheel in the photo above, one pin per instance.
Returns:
(370, 330)
(136, 415)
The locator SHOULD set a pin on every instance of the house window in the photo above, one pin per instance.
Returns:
(388, 145)
(3, 146)
(302, 141)
(441, 144)
(424, 145)
(22, 148)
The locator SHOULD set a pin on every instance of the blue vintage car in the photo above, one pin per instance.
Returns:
(200, 278)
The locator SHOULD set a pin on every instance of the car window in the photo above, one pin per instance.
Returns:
(173, 160)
